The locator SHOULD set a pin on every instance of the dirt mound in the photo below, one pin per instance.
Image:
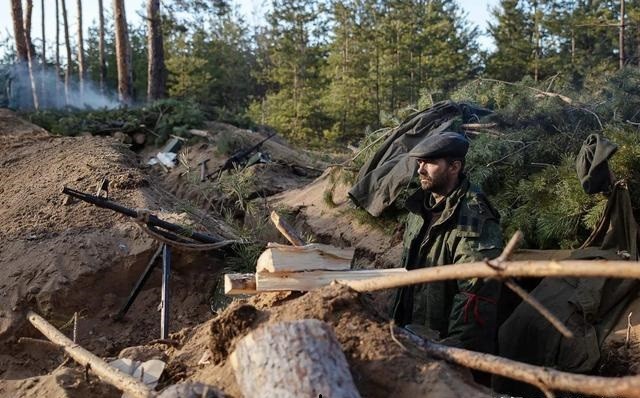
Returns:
(380, 368)
(60, 256)
(61, 383)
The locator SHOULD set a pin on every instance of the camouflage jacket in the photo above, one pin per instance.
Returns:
(464, 312)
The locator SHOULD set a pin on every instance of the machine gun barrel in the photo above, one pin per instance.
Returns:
(238, 157)
(151, 220)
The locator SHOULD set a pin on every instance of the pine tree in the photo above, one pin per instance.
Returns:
(294, 60)
(350, 99)
(512, 33)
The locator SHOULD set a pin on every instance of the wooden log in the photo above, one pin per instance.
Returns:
(286, 230)
(283, 258)
(239, 284)
(107, 373)
(535, 269)
(292, 359)
(309, 280)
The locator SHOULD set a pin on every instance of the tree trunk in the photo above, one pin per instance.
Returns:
(67, 73)
(156, 79)
(102, 67)
(292, 359)
(18, 92)
(27, 27)
(18, 30)
(57, 61)
(82, 67)
(43, 87)
(30, 53)
(621, 35)
(123, 53)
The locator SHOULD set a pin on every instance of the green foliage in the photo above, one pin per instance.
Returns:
(239, 185)
(160, 119)
(529, 168)
(550, 207)
(228, 143)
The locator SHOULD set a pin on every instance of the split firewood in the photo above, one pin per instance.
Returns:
(239, 284)
(292, 359)
(284, 258)
(309, 280)
(107, 373)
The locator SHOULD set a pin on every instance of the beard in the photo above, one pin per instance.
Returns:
(435, 184)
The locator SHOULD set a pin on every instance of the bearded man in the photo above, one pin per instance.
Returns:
(449, 222)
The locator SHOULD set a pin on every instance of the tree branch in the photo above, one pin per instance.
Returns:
(544, 378)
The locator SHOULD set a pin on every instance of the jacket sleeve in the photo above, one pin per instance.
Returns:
(473, 317)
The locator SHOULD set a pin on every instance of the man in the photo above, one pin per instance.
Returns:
(449, 222)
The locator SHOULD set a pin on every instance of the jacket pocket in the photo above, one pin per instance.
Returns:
(581, 353)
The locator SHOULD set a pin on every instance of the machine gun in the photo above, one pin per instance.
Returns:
(169, 231)
(237, 158)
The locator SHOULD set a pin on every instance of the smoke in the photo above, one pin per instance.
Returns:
(50, 90)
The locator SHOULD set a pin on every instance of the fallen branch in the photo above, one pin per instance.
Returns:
(478, 125)
(544, 378)
(534, 269)
(107, 373)
(541, 92)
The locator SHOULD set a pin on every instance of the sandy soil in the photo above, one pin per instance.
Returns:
(59, 257)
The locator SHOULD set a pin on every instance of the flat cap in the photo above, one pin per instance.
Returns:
(441, 145)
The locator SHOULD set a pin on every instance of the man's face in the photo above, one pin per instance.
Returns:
(434, 175)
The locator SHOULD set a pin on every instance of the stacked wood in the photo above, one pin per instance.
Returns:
(300, 268)
(292, 359)
(312, 257)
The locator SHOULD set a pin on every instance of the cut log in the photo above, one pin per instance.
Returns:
(109, 374)
(239, 284)
(286, 230)
(292, 359)
(309, 280)
(283, 258)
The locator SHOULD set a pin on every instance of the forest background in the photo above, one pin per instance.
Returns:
(330, 73)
